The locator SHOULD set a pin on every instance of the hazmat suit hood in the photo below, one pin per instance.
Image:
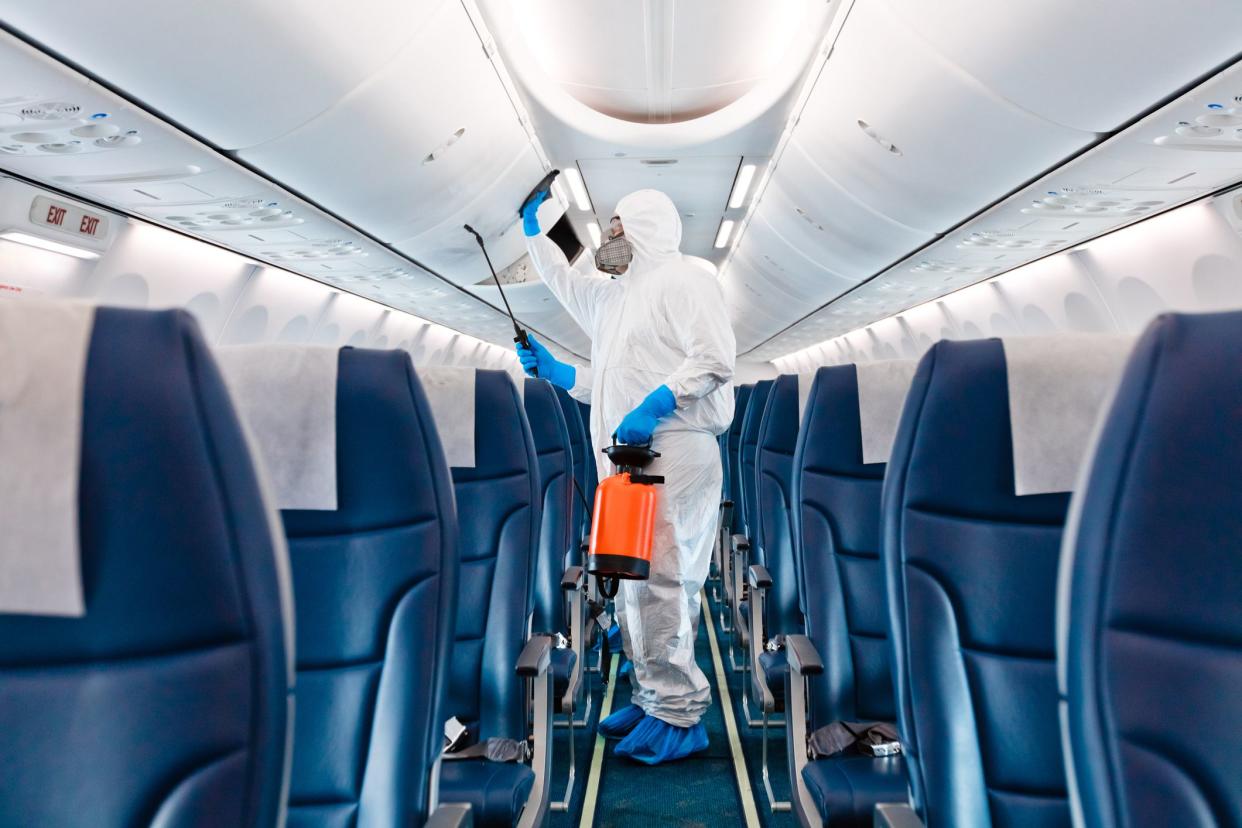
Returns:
(652, 227)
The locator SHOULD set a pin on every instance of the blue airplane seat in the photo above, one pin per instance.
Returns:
(167, 702)
(1150, 641)
(556, 539)
(748, 450)
(971, 573)
(592, 459)
(580, 444)
(836, 525)
(376, 588)
(773, 547)
(498, 515)
(733, 450)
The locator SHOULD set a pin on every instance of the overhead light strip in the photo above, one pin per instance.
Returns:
(741, 186)
(578, 188)
(49, 245)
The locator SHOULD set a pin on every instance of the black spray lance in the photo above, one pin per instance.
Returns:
(519, 333)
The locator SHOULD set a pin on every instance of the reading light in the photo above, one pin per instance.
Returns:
(593, 231)
(49, 245)
(578, 189)
(722, 237)
(741, 186)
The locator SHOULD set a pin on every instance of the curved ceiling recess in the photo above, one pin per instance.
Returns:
(385, 112)
(925, 114)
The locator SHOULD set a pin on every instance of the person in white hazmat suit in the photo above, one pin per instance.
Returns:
(662, 359)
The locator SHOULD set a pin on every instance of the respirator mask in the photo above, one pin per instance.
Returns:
(614, 255)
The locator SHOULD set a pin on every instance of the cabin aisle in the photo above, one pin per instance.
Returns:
(699, 791)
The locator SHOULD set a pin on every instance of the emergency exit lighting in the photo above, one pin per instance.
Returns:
(722, 237)
(741, 187)
(49, 245)
(578, 189)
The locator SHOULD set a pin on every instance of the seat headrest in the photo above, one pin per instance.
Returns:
(779, 429)
(955, 432)
(754, 412)
(739, 410)
(452, 394)
(1057, 389)
(43, 354)
(833, 437)
(544, 414)
(286, 395)
(882, 388)
(500, 431)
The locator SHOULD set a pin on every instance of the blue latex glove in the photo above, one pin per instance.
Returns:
(549, 367)
(640, 424)
(530, 219)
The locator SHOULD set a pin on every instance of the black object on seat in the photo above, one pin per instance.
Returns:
(1151, 642)
(376, 589)
(167, 702)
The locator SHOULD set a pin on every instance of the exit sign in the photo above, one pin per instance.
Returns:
(68, 218)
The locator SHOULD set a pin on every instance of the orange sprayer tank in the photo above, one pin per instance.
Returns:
(623, 520)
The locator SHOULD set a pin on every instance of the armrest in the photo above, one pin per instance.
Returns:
(535, 657)
(760, 578)
(741, 543)
(896, 815)
(728, 504)
(804, 659)
(453, 815)
(572, 579)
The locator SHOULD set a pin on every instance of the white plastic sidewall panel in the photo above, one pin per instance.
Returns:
(1087, 65)
(238, 72)
(277, 306)
(961, 146)
(348, 320)
(363, 158)
(149, 267)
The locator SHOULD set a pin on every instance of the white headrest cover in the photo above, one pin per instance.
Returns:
(450, 393)
(43, 350)
(286, 397)
(882, 389)
(1057, 387)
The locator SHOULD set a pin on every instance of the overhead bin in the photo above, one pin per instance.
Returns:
(915, 137)
(421, 140)
(238, 73)
(782, 267)
(829, 225)
(1089, 66)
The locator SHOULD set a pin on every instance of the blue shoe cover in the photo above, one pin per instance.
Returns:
(654, 741)
(619, 724)
(614, 638)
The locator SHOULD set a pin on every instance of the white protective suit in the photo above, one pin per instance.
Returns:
(663, 322)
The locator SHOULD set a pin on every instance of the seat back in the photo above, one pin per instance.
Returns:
(836, 518)
(733, 448)
(376, 587)
(556, 483)
(167, 702)
(1150, 619)
(971, 574)
(498, 527)
(580, 446)
(748, 454)
(778, 439)
(592, 460)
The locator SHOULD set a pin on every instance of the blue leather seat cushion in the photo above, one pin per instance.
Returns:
(847, 788)
(496, 791)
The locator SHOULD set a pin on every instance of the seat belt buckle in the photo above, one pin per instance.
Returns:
(454, 735)
(878, 749)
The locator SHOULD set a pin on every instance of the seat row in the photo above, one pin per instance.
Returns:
(1020, 555)
(238, 660)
